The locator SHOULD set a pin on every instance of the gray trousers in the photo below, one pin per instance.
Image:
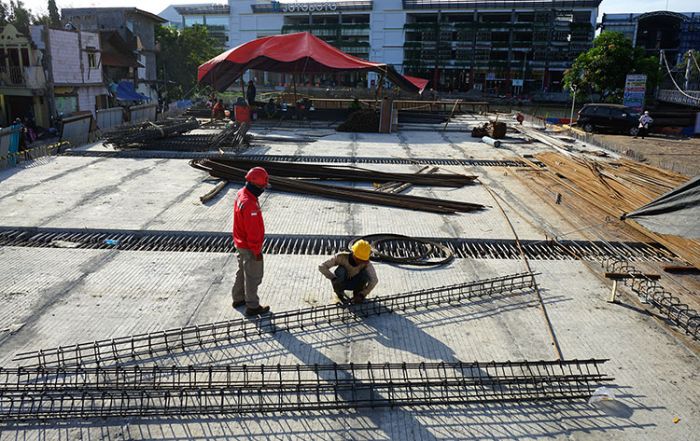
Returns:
(248, 277)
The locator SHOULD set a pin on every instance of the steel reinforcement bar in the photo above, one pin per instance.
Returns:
(326, 387)
(220, 242)
(652, 292)
(301, 159)
(151, 345)
(43, 379)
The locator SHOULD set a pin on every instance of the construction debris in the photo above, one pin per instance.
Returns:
(492, 142)
(493, 129)
(221, 170)
(171, 135)
(141, 133)
(361, 121)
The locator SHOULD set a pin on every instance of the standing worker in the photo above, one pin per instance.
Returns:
(644, 122)
(218, 111)
(354, 272)
(250, 93)
(248, 236)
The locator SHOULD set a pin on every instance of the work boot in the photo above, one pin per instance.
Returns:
(238, 304)
(358, 298)
(260, 310)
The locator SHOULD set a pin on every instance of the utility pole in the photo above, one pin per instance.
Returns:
(686, 84)
(573, 104)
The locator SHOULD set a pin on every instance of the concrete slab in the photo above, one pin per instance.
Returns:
(120, 293)
(53, 297)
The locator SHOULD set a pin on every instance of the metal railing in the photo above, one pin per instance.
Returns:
(13, 76)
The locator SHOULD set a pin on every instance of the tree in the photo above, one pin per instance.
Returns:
(54, 16)
(603, 68)
(4, 13)
(181, 53)
(20, 16)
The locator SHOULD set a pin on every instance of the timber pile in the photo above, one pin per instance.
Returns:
(619, 187)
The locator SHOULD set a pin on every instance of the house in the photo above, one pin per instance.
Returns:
(22, 79)
(72, 61)
(128, 40)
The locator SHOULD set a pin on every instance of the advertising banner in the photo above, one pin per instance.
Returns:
(635, 89)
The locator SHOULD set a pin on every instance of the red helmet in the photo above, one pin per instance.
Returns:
(258, 176)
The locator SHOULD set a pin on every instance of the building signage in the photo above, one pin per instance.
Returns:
(304, 7)
(635, 90)
(517, 83)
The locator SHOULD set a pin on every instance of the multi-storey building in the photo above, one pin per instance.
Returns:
(128, 40)
(675, 33)
(22, 79)
(498, 46)
(72, 62)
(214, 16)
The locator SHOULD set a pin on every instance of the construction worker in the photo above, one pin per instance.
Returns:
(354, 272)
(248, 235)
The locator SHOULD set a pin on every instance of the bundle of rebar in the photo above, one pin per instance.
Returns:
(619, 187)
(221, 170)
(141, 133)
(154, 344)
(47, 394)
(347, 173)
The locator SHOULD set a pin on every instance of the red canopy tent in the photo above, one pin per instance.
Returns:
(420, 83)
(298, 53)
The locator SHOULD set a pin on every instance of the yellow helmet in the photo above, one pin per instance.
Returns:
(361, 250)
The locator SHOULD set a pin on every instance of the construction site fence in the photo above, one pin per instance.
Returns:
(78, 129)
(9, 143)
(458, 106)
(108, 118)
(142, 112)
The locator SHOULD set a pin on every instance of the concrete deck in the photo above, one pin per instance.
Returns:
(53, 297)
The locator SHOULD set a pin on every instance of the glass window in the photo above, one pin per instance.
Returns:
(191, 20)
(217, 20)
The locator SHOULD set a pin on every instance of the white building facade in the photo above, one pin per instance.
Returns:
(497, 46)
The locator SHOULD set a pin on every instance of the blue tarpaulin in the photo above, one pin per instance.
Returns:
(125, 92)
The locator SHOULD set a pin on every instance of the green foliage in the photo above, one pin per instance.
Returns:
(603, 68)
(54, 16)
(181, 53)
(4, 13)
(19, 16)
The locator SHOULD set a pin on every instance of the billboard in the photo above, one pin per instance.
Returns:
(635, 89)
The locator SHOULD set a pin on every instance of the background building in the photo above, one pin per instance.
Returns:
(72, 61)
(214, 16)
(675, 33)
(22, 79)
(128, 36)
(495, 46)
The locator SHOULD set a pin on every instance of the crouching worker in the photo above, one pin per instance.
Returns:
(354, 272)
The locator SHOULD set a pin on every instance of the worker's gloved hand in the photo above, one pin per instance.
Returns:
(258, 257)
